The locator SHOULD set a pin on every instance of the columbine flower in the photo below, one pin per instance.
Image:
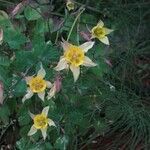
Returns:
(74, 57)
(101, 32)
(41, 121)
(37, 84)
(55, 88)
(70, 5)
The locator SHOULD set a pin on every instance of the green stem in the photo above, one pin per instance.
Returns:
(3, 1)
(57, 35)
(74, 23)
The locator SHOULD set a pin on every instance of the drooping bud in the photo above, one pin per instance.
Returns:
(1, 92)
(55, 88)
(19, 8)
(85, 36)
(107, 61)
(58, 83)
(70, 5)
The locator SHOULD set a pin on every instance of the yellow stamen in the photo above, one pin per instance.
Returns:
(40, 121)
(37, 84)
(98, 32)
(74, 55)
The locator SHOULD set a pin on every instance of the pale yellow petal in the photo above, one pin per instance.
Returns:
(108, 31)
(28, 95)
(45, 110)
(88, 62)
(52, 92)
(44, 134)
(27, 79)
(75, 71)
(92, 36)
(86, 46)
(100, 24)
(41, 95)
(41, 72)
(104, 40)
(92, 31)
(65, 45)
(31, 115)
(51, 122)
(32, 131)
(1, 36)
(48, 84)
(62, 64)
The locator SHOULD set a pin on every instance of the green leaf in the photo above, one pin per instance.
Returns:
(24, 59)
(40, 26)
(4, 61)
(32, 14)
(22, 143)
(25, 143)
(24, 130)
(48, 146)
(3, 74)
(112, 113)
(14, 38)
(4, 20)
(12, 103)
(24, 119)
(75, 117)
(20, 88)
(101, 126)
(86, 18)
(100, 69)
(61, 143)
(4, 113)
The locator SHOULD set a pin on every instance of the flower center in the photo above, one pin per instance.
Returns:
(74, 55)
(37, 84)
(40, 121)
(99, 32)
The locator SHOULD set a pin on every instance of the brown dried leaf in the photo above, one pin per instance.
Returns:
(1, 92)
(19, 8)
(58, 83)
(16, 9)
(85, 36)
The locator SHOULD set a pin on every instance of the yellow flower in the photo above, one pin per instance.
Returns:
(41, 121)
(74, 57)
(70, 5)
(101, 32)
(37, 84)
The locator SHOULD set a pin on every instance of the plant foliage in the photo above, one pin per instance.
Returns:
(108, 107)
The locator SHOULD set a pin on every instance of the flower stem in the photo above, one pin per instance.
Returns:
(74, 23)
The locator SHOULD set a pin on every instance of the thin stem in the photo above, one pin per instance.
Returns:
(74, 23)
(57, 35)
(6, 2)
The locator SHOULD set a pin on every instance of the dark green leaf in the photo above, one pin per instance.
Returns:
(61, 143)
(31, 13)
